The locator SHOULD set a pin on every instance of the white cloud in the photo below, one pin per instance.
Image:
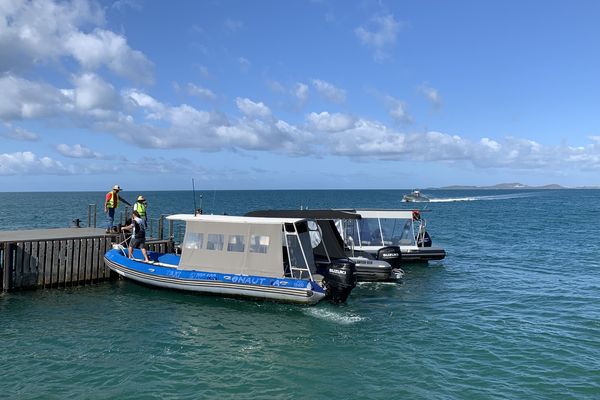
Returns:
(34, 32)
(17, 133)
(77, 151)
(397, 110)
(23, 99)
(432, 95)
(233, 25)
(203, 70)
(124, 4)
(91, 92)
(301, 92)
(200, 92)
(184, 126)
(383, 33)
(25, 163)
(244, 64)
(139, 99)
(40, 32)
(327, 122)
(105, 48)
(252, 109)
(276, 86)
(329, 91)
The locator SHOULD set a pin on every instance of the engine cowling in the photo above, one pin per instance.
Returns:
(390, 254)
(340, 279)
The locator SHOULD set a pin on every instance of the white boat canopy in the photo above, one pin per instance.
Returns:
(397, 214)
(240, 245)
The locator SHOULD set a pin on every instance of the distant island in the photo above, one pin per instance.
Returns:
(513, 186)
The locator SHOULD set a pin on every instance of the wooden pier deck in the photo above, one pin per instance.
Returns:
(59, 258)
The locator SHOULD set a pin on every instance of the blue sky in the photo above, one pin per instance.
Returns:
(297, 94)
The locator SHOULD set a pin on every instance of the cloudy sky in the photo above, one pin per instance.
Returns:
(297, 94)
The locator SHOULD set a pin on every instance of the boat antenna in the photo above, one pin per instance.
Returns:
(196, 209)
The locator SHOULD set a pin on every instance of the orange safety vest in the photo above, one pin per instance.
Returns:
(112, 201)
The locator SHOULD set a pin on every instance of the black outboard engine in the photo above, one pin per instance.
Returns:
(340, 278)
(390, 254)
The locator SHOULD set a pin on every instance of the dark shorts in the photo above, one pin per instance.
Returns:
(138, 243)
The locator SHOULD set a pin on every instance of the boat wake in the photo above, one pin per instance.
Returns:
(376, 285)
(481, 198)
(334, 316)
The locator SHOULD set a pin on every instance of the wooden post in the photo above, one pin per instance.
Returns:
(6, 266)
(55, 263)
(18, 266)
(160, 227)
(69, 263)
(1, 267)
(88, 260)
(76, 260)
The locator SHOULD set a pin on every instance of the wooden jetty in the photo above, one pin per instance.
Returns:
(59, 258)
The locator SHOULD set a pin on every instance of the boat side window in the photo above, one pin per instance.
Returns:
(296, 256)
(392, 229)
(215, 241)
(348, 230)
(365, 230)
(193, 240)
(259, 244)
(369, 232)
(407, 236)
(236, 243)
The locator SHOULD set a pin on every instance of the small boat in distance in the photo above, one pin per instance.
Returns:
(415, 196)
(259, 258)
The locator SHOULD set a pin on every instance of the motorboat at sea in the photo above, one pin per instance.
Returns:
(327, 243)
(415, 196)
(260, 258)
(380, 229)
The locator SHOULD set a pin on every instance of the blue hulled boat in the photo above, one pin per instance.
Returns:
(261, 258)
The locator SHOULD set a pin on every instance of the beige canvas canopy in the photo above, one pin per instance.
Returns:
(232, 244)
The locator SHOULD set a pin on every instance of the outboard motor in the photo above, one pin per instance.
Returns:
(340, 279)
(390, 254)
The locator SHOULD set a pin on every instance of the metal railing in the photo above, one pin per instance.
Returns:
(158, 228)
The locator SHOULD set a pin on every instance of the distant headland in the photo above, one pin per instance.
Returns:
(514, 186)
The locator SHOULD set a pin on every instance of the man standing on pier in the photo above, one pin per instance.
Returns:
(140, 206)
(110, 205)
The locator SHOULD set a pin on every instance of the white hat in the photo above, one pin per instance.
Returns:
(116, 187)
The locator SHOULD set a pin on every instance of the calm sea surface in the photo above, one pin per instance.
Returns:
(513, 312)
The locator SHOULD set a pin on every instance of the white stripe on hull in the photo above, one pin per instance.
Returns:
(299, 295)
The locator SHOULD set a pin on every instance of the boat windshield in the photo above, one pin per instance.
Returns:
(379, 232)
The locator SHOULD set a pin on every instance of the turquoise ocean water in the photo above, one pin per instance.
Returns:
(513, 312)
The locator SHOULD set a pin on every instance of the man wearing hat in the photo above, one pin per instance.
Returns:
(140, 206)
(110, 205)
